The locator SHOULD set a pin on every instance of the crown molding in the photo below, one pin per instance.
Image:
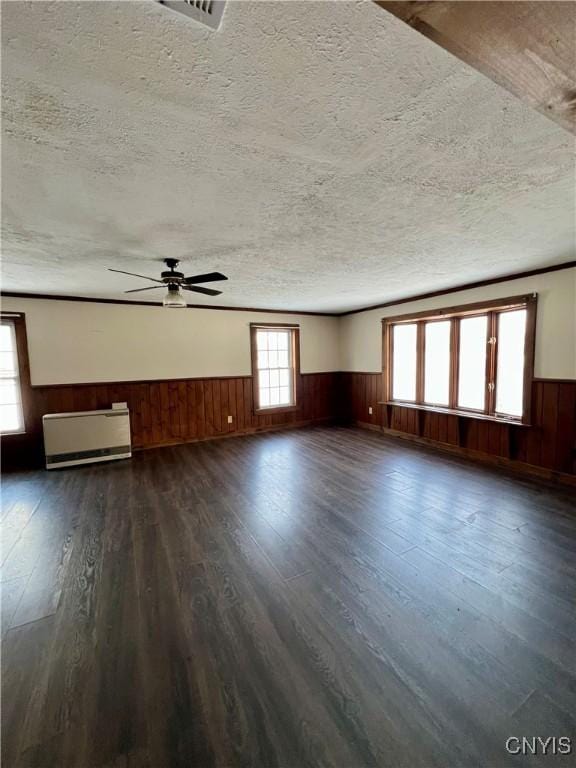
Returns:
(383, 305)
(94, 300)
(465, 287)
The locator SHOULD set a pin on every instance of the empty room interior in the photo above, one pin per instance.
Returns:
(288, 384)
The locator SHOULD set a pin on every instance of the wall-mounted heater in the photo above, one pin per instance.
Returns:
(86, 436)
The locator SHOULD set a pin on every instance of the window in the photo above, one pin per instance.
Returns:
(437, 363)
(275, 354)
(404, 372)
(510, 362)
(11, 415)
(472, 359)
(473, 353)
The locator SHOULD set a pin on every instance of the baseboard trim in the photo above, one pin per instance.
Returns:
(502, 462)
(34, 459)
(325, 421)
(367, 425)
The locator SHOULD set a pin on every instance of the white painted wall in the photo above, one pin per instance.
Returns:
(75, 342)
(361, 334)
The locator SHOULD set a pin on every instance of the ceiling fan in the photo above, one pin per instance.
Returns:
(176, 282)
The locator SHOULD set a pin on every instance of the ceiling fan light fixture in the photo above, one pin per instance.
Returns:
(174, 299)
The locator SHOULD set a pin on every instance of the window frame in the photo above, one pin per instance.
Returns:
(492, 309)
(295, 356)
(423, 368)
(18, 321)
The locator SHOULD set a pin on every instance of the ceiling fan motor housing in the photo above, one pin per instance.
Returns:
(172, 276)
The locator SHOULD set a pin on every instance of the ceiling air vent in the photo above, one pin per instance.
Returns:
(206, 12)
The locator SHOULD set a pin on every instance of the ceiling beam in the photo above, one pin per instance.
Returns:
(527, 47)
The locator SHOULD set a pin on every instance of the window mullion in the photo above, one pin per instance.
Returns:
(454, 360)
(491, 364)
(420, 357)
(496, 322)
(292, 367)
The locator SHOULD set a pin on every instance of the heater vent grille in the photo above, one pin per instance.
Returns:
(206, 12)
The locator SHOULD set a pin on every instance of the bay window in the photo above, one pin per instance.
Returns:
(472, 359)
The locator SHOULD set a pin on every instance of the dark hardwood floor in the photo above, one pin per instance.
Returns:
(319, 597)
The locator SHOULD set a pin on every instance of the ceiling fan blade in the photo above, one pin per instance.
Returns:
(148, 288)
(206, 291)
(210, 277)
(133, 274)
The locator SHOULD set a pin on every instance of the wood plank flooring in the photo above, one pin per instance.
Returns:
(319, 597)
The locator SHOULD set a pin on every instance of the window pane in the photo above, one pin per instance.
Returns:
(404, 364)
(275, 396)
(283, 337)
(9, 392)
(272, 339)
(264, 398)
(284, 378)
(263, 379)
(472, 367)
(510, 371)
(5, 337)
(274, 378)
(8, 364)
(262, 359)
(273, 359)
(285, 395)
(437, 363)
(262, 339)
(10, 418)
(283, 359)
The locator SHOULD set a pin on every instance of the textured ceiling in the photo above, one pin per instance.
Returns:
(322, 154)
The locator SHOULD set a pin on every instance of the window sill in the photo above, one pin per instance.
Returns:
(275, 409)
(455, 412)
(13, 434)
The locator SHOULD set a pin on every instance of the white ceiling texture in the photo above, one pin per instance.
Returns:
(323, 155)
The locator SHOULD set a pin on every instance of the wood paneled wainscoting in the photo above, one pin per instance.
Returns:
(546, 447)
(175, 411)
(172, 411)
